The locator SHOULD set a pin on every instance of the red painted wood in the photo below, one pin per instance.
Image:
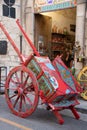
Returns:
(21, 90)
(27, 38)
(12, 42)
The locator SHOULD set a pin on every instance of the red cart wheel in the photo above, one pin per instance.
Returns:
(21, 90)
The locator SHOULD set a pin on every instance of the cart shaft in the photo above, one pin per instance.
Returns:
(27, 38)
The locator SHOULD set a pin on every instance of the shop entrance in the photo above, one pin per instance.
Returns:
(57, 28)
(42, 34)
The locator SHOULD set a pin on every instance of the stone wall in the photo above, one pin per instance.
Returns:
(11, 59)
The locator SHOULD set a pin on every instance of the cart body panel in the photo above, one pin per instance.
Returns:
(66, 74)
(54, 87)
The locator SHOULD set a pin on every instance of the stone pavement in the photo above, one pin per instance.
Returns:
(82, 107)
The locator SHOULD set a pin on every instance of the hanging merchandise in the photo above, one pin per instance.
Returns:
(41, 45)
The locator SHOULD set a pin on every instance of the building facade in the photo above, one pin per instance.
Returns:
(67, 19)
(10, 11)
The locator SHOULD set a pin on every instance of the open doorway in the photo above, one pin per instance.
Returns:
(57, 30)
(43, 25)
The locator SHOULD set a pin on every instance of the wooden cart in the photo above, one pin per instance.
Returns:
(36, 77)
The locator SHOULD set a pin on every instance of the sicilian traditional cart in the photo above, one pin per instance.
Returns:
(37, 77)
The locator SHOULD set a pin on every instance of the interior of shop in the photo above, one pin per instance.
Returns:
(55, 32)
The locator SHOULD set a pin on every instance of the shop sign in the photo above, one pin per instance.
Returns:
(49, 5)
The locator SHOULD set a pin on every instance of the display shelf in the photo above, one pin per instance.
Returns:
(57, 44)
(57, 37)
(61, 43)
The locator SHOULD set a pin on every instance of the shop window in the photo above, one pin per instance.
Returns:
(8, 10)
(3, 47)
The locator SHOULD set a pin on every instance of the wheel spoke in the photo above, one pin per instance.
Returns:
(25, 81)
(20, 104)
(32, 93)
(24, 102)
(12, 89)
(28, 99)
(13, 81)
(17, 78)
(29, 88)
(16, 101)
(21, 76)
(84, 74)
(13, 96)
(83, 80)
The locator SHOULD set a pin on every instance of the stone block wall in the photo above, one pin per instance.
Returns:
(11, 59)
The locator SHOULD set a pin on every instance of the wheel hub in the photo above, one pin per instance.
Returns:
(20, 91)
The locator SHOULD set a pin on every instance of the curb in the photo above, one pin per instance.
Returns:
(82, 110)
(82, 107)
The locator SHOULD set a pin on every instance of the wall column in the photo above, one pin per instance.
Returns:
(28, 23)
(86, 32)
(80, 29)
(29, 19)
